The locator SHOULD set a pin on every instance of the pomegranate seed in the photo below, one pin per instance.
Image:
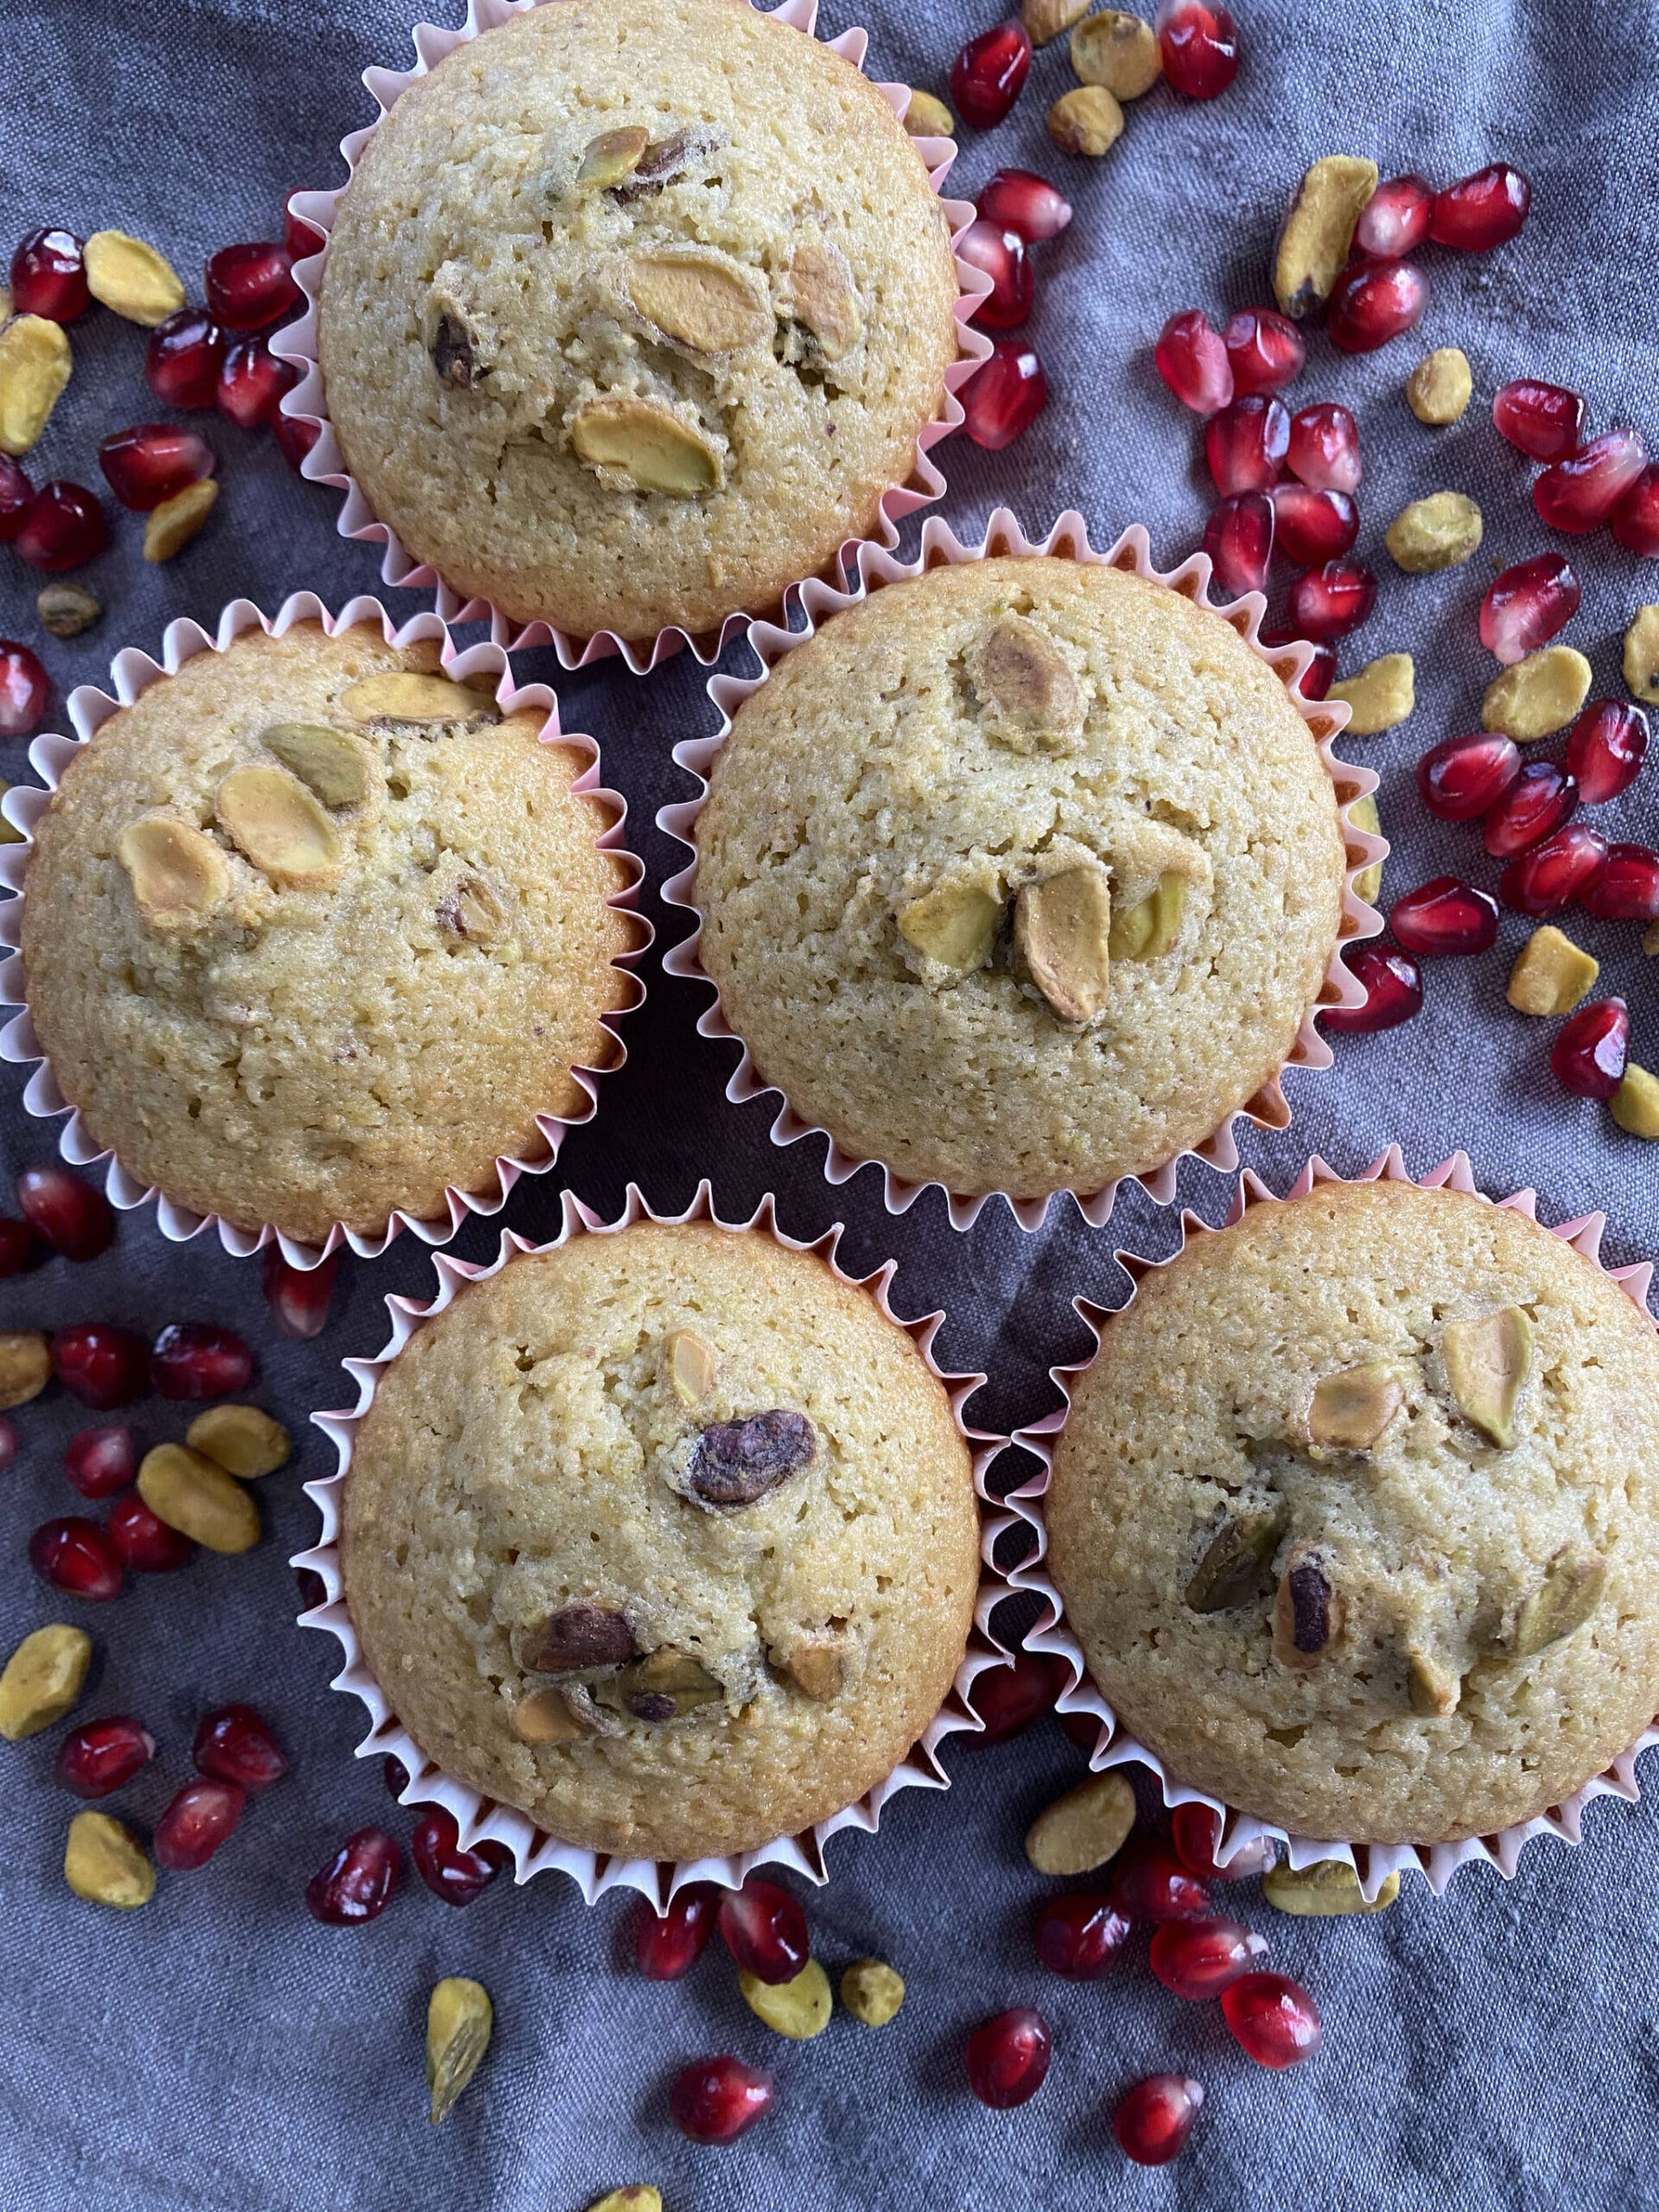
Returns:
(1001, 254)
(49, 276)
(100, 1364)
(151, 461)
(393, 1773)
(1195, 1830)
(1635, 518)
(1625, 887)
(1589, 1052)
(1527, 605)
(251, 382)
(1373, 302)
(1246, 444)
(296, 437)
(1019, 200)
(71, 1214)
(1192, 358)
(1549, 877)
(1545, 420)
(714, 2100)
(1264, 351)
(1006, 395)
(301, 238)
(1082, 1729)
(1534, 806)
(1605, 748)
(1079, 1936)
(1238, 537)
(1393, 221)
(1312, 527)
(182, 359)
(1320, 672)
(1444, 917)
(197, 1359)
(314, 1591)
(1579, 494)
(1462, 777)
(1200, 47)
(669, 1945)
(24, 689)
(249, 286)
(194, 1825)
(75, 1556)
(8, 1442)
(449, 1872)
(1394, 992)
(146, 1544)
(97, 1758)
(1324, 449)
(1198, 1959)
(1274, 2019)
(20, 1248)
(1008, 1699)
(1008, 2058)
(1153, 2122)
(298, 1297)
(63, 529)
(1484, 211)
(1332, 600)
(987, 76)
(1149, 1883)
(356, 1884)
(16, 497)
(100, 1461)
(765, 1929)
(235, 1745)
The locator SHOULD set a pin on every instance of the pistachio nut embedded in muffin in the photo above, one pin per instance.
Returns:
(667, 1537)
(632, 313)
(1356, 1515)
(313, 933)
(1020, 876)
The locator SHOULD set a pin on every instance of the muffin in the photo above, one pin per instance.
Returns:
(1020, 875)
(667, 1538)
(311, 932)
(632, 313)
(1356, 1516)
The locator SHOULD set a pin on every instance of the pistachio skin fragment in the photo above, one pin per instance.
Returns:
(1635, 1105)
(1441, 531)
(25, 1366)
(1324, 1890)
(1439, 388)
(1351, 1411)
(927, 118)
(1564, 1600)
(1539, 695)
(1318, 230)
(1551, 974)
(1232, 1569)
(43, 1679)
(1307, 1613)
(1380, 696)
(1487, 1362)
(1363, 814)
(580, 1636)
(104, 1862)
(460, 2019)
(1641, 656)
(872, 1992)
(798, 2008)
(1083, 1828)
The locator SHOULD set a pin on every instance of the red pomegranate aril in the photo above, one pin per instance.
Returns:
(1589, 1050)
(100, 1461)
(20, 1248)
(49, 276)
(199, 1819)
(1198, 1959)
(1019, 200)
(1082, 1729)
(1536, 805)
(1079, 1935)
(1544, 420)
(251, 382)
(1149, 1883)
(1550, 876)
(1264, 349)
(1332, 600)
(1482, 210)
(1578, 494)
(301, 238)
(1605, 749)
(73, 1215)
(1245, 445)
(102, 1366)
(1312, 527)
(1373, 302)
(1324, 448)
(1462, 777)
(1005, 395)
(394, 1775)
(182, 361)
(16, 497)
(197, 1359)
(356, 1884)
(714, 2100)
(1153, 2121)
(1238, 537)
(249, 286)
(987, 75)
(235, 1744)
(1635, 518)
(1444, 917)
(152, 461)
(24, 689)
(63, 529)
(765, 1929)
(97, 1759)
(1393, 983)
(145, 1543)
(1001, 253)
(1274, 2019)
(1008, 2058)
(1527, 605)
(449, 1872)
(1199, 46)
(1008, 1699)
(8, 1442)
(298, 1297)
(295, 438)
(1625, 887)
(1195, 1830)
(1321, 671)
(1192, 358)
(668, 1945)
(1393, 221)
(76, 1556)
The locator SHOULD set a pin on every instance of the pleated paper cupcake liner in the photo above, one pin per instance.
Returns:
(1241, 1832)
(297, 344)
(89, 709)
(532, 1850)
(1068, 538)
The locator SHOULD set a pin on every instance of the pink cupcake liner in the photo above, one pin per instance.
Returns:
(1244, 1838)
(297, 344)
(1068, 538)
(89, 709)
(533, 1851)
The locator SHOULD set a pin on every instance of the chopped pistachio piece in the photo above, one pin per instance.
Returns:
(613, 155)
(1551, 974)
(1350, 1411)
(954, 924)
(1368, 884)
(1437, 389)
(1432, 1687)
(872, 1992)
(927, 118)
(43, 1679)
(1563, 1601)
(1062, 925)
(1380, 696)
(666, 1685)
(1537, 696)
(105, 1863)
(1147, 930)
(1439, 532)
(1635, 1105)
(1234, 1568)
(1026, 688)
(691, 1364)
(544, 1717)
(1487, 1362)
(1324, 1891)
